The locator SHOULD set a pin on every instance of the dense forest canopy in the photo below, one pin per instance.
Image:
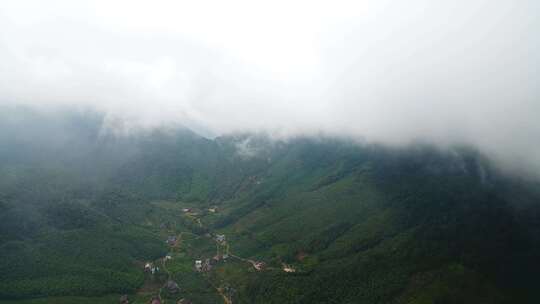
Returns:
(363, 223)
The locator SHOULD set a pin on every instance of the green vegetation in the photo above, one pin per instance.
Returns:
(81, 213)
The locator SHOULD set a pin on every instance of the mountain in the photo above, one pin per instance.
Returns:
(82, 209)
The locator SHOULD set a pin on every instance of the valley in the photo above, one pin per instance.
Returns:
(269, 152)
(308, 220)
(220, 268)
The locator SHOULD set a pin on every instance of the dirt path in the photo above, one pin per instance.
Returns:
(240, 258)
(219, 248)
(219, 290)
(252, 262)
(155, 288)
(147, 287)
(164, 266)
(196, 219)
(225, 298)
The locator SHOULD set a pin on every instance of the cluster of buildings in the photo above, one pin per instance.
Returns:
(151, 268)
(190, 212)
(220, 257)
(205, 266)
(172, 240)
(259, 265)
(220, 238)
(288, 268)
(213, 209)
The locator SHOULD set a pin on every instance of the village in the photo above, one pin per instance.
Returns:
(204, 264)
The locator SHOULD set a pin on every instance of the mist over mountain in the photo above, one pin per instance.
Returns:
(269, 152)
(464, 72)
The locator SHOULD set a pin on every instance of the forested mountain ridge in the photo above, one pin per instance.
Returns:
(362, 223)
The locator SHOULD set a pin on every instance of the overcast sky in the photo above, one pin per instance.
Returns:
(460, 71)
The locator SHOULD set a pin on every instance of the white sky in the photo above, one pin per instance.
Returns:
(390, 71)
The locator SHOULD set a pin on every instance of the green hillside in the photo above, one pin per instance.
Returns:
(82, 211)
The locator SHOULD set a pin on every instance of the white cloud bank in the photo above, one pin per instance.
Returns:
(463, 71)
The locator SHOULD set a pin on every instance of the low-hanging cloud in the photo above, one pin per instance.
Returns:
(449, 72)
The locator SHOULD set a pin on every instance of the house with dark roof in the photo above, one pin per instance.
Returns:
(124, 299)
(171, 240)
(172, 286)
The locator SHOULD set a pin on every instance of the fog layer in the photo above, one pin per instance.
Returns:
(448, 72)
